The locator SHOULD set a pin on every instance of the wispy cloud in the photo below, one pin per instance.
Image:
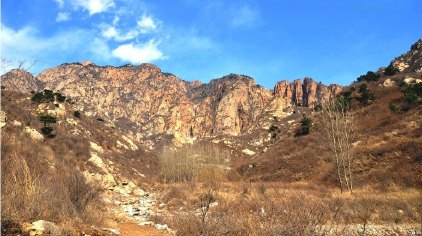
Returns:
(111, 32)
(244, 16)
(147, 24)
(141, 53)
(60, 3)
(94, 6)
(63, 16)
(27, 44)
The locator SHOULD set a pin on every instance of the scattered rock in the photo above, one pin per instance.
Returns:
(389, 83)
(248, 152)
(33, 133)
(42, 227)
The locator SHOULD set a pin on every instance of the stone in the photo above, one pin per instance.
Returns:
(42, 227)
(33, 133)
(248, 152)
(389, 83)
(306, 93)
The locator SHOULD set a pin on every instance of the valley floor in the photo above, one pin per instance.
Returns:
(269, 209)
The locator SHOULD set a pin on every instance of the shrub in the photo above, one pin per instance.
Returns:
(412, 92)
(369, 76)
(395, 107)
(344, 99)
(46, 119)
(60, 98)
(390, 70)
(273, 128)
(47, 131)
(77, 114)
(411, 96)
(48, 95)
(38, 97)
(81, 192)
(306, 124)
(366, 96)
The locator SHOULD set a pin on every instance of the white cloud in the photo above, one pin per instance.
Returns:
(110, 32)
(27, 44)
(94, 6)
(146, 24)
(116, 20)
(100, 50)
(137, 54)
(60, 3)
(244, 16)
(63, 16)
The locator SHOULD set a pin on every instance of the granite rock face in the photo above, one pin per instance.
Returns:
(306, 93)
(21, 81)
(411, 61)
(146, 102)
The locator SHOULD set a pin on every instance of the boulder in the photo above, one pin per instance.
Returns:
(42, 227)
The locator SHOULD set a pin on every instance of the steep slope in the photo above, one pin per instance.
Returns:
(21, 81)
(389, 136)
(410, 61)
(146, 103)
(306, 93)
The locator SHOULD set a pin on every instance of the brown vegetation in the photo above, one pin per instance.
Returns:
(292, 209)
(203, 163)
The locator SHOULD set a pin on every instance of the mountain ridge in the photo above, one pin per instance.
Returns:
(160, 103)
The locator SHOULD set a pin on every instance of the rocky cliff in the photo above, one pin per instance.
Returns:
(21, 81)
(411, 61)
(147, 103)
(306, 93)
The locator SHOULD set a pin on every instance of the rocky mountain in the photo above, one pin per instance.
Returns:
(20, 81)
(306, 93)
(410, 61)
(146, 102)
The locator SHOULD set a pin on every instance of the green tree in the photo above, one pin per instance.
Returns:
(369, 76)
(390, 70)
(38, 97)
(77, 114)
(306, 124)
(366, 96)
(47, 119)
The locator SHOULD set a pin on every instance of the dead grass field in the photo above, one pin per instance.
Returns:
(289, 209)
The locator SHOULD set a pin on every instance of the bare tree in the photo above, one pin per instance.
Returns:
(338, 127)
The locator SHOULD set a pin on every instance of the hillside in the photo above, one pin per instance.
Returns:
(160, 104)
(112, 126)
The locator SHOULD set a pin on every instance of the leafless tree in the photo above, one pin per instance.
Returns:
(338, 126)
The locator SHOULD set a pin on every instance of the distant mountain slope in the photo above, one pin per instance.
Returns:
(146, 102)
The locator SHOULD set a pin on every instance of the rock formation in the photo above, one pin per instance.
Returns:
(20, 80)
(307, 93)
(410, 61)
(146, 102)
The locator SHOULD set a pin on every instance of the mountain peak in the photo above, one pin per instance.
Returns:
(411, 60)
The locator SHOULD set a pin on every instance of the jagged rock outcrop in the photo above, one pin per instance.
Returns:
(411, 61)
(146, 102)
(21, 81)
(307, 93)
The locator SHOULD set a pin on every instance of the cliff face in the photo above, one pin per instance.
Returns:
(147, 103)
(307, 93)
(411, 61)
(21, 81)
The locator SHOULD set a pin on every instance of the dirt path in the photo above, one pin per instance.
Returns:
(134, 229)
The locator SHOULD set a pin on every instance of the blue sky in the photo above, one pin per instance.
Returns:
(331, 41)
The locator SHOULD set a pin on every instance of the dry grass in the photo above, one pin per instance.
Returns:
(37, 184)
(290, 209)
(202, 163)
